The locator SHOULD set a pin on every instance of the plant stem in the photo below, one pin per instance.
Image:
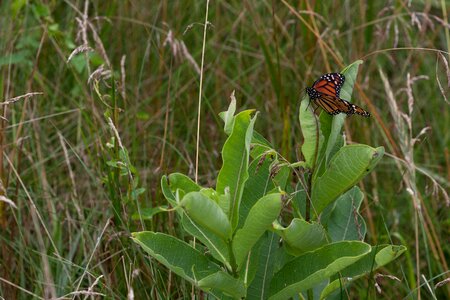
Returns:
(309, 179)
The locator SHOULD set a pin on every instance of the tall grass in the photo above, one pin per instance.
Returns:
(130, 92)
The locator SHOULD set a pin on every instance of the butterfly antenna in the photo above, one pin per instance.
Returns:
(302, 95)
(309, 103)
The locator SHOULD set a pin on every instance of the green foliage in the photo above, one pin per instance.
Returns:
(223, 282)
(378, 257)
(301, 236)
(306, 271)
(235, 156)
(237, 221)
(177, 255)
(265, 261)
(348, 166)
(260, 218)
(148, 213)
(343, 219)
(63, 239)
(312, 135)
(207, 213)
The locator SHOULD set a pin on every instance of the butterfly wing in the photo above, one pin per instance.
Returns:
(355, 109)
(329, 84)
(331, 104)
(325, 93)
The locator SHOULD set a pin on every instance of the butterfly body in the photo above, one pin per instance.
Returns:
(325, 93)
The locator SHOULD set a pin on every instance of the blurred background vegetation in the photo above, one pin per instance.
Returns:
(67, 203)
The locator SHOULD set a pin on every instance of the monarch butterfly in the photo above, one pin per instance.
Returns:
(325, 93)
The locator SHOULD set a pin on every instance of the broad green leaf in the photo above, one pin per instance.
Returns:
(312, 135)
(235, 156)
(228, 116)
(335, 139)
(177, 181)
(248, 272)
(299, 201)
(326, 122)
(338, 121)
(301, 236)
(207, 213)
(331, 126)
(350, 72)
(344, 221)
(176, 255)
(225, 283)
(217, 295)
(215, 244)
(259, 219)
(346, 168)
(167, 192)
(311, 268)
(224, 202)
(257, 185)
(259, 145)
(339, 143)
(182, 182)
(211, 194)
(384, 254)
(259, 287)
(253, 261)
(148, 212)
(259, 139)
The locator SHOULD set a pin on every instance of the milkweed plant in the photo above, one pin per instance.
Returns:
(271, 229)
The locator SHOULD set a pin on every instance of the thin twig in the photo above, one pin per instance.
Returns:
(18, 98)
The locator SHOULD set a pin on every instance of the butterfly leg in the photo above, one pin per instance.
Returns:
(316, 108)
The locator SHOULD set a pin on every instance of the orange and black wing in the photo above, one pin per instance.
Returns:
(329, 84)
(332, 105)
(325, 93)
(355, 109)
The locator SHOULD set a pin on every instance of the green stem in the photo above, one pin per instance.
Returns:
(232, 259)
(309, 179)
